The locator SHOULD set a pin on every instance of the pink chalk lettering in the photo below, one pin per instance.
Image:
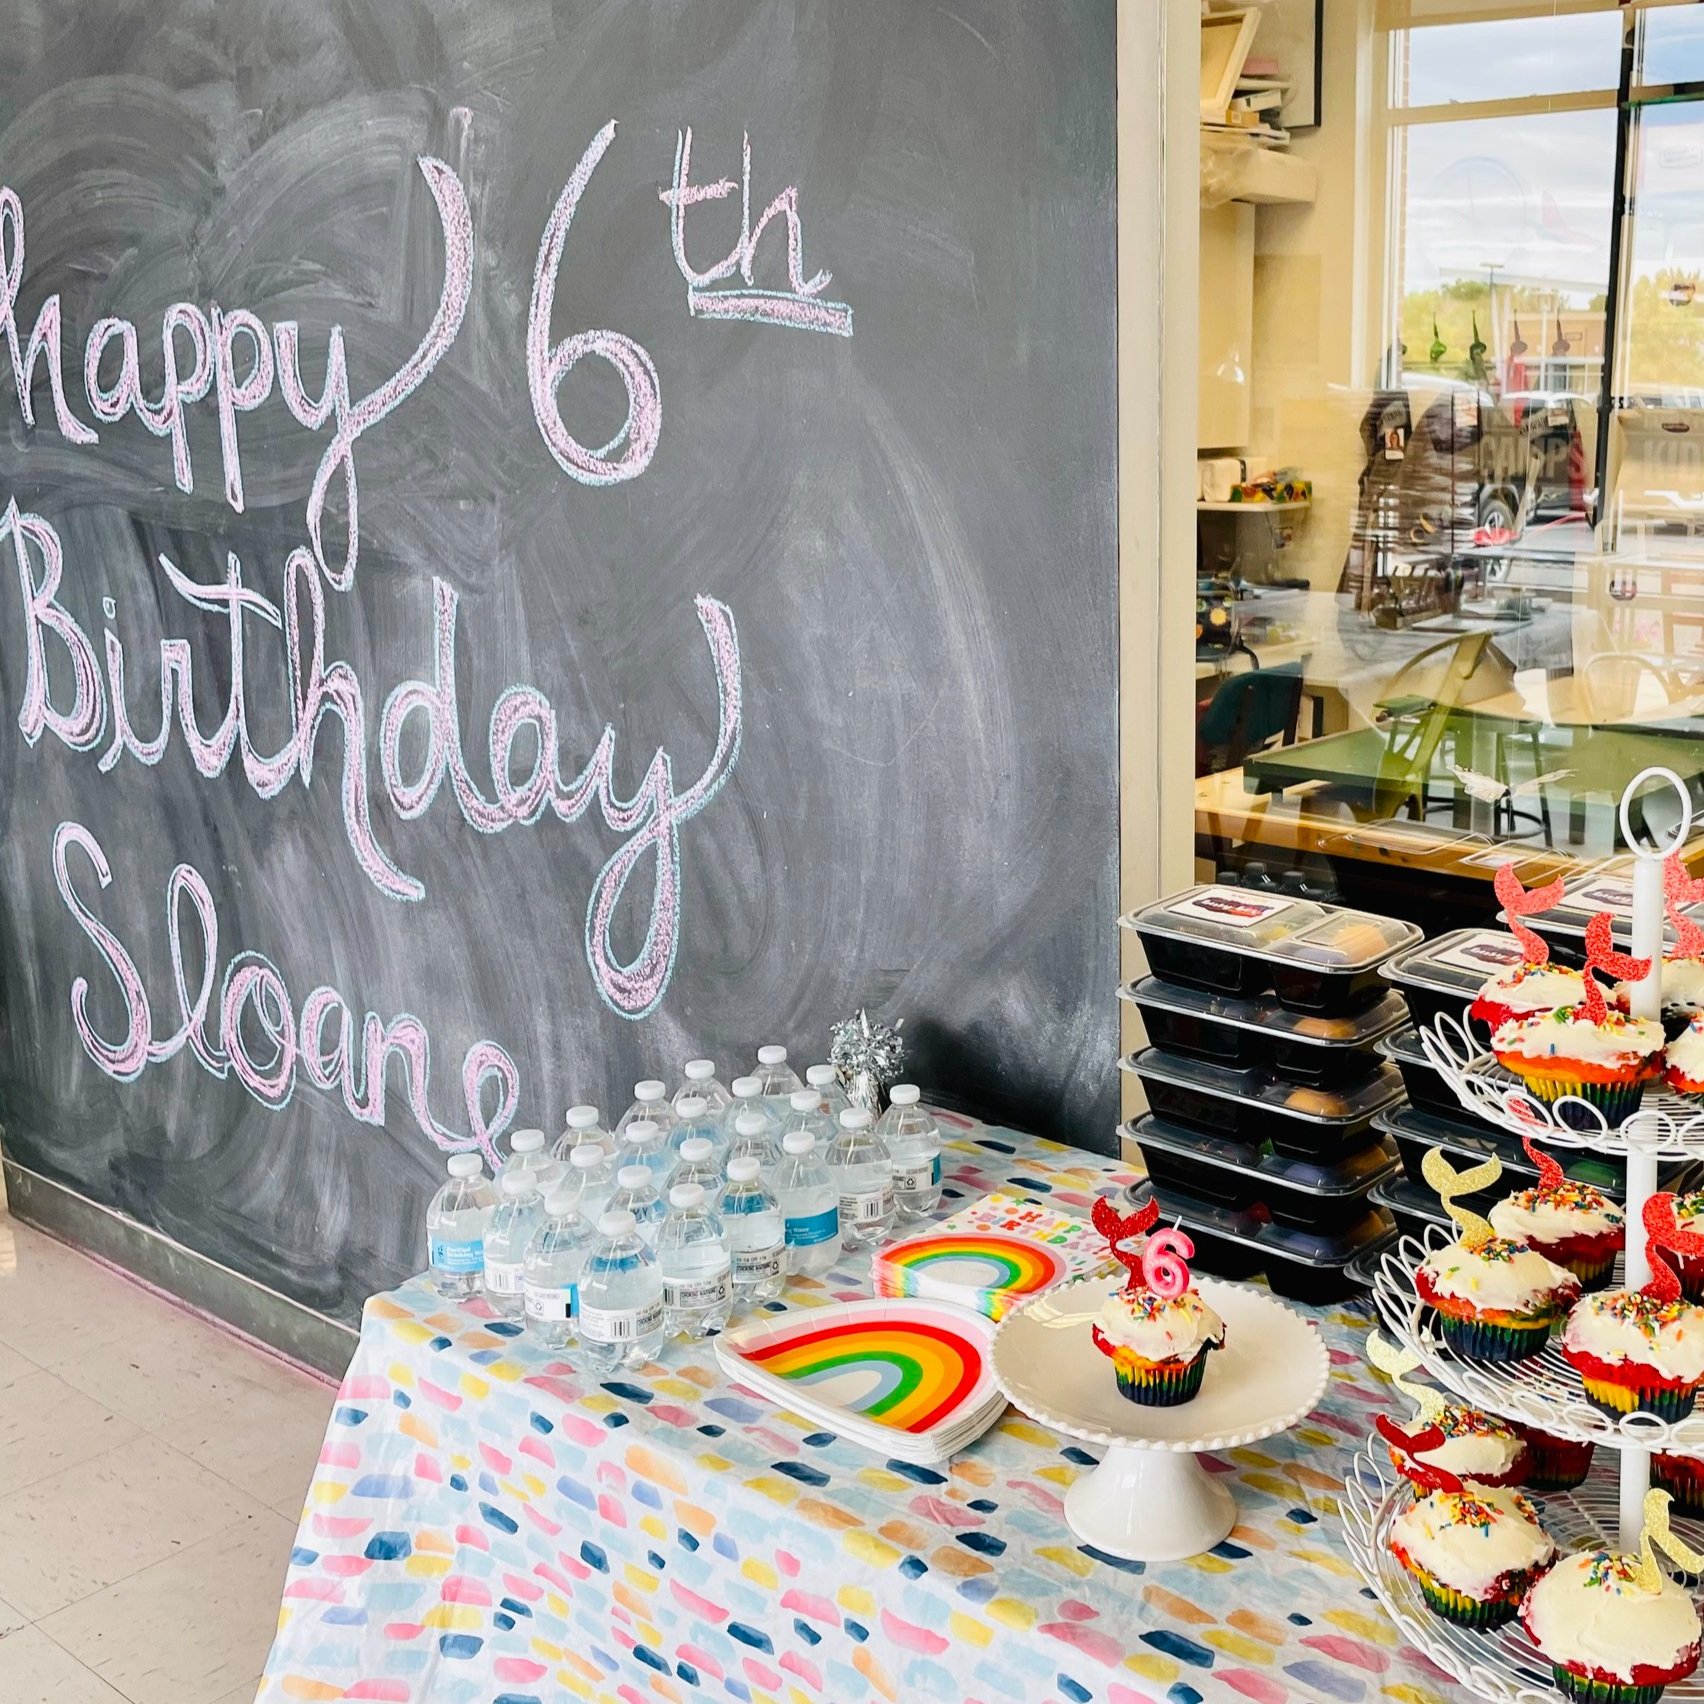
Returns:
(81, 726)
(114, 401)
(238, 396)
(771, 307)
(129, 1058)
(254, 981)
(44, 337)
(547, 367)
(165, 418)
(682, 194)
(186, 880)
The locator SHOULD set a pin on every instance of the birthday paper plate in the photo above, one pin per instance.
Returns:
(910, 1377)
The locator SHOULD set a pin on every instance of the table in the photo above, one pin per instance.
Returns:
(488, 1524)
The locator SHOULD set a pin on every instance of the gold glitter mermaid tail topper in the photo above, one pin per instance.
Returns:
(1658, 1535)
(1449, 1183)
(1396, 1364)
(1551, 1176)
(1679, 892)
(1663, 1232)
(1601, 955)
(1121, 1228)
(1519, 902)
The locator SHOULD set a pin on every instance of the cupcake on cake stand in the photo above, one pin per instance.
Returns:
(1155, 1372)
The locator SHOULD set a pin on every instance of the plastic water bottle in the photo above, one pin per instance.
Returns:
(810, 1206)
(519, 1208)
(644, 1144)
(754, 1136)
(591, 1176)
(550, 1275)
(580, 1127)
(693, 1118)
(834, 1101)
(863, 1178)
(700, 1075)
(651, 1103)
(692, 1256)
(804, 1112)
(776, 1079)
(757, 1241)
(696, 1163)
(455, 1228)
(913, 1141)
(527, 1152)
(620, 1298)
(636, 1193)
(747, 1098)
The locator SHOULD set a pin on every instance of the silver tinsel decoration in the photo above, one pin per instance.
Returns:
(867, 1058)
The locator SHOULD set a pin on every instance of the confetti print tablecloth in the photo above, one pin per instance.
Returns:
(488, 1525)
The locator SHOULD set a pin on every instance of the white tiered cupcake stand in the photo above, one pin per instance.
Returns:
(1543, 1392)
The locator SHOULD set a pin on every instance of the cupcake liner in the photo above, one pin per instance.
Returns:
(1616, 1101)
(1682, 1476)
(1588, 1689)
(1555, 1464)
(1464, 1611)
(1616, 1397)
(1590, 1258)
(1480, 1340)
(1162, 1385)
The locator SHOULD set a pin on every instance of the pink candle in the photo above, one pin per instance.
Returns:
(1163, 1268)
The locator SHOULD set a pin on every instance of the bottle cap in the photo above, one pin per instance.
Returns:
(804, 1100)
(798, 1142)
(582, 1117)
(772, 1055)
(559, 1203)
(514, 1183)
(527, 1142)
(618, 1222)
(904, 1094)
(650, 1090)
(633, 1177)
(587, 1157)
(820, 1076)
(696, 1148)
(700, 1070)
(750, 1124)
(746, 1088)
(855, 1118)
(742, 1168)
(686, 1195)
(640, 1130)
(691, 1108)
(465, 1165)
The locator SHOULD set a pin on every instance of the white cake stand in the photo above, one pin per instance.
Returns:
(1150, 1500)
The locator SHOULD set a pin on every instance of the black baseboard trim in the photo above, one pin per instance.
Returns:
(273, 1321)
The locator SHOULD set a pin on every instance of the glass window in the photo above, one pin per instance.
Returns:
(1672, 46)
(1508, 58)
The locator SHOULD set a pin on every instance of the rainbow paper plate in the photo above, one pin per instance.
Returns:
(910, 1378)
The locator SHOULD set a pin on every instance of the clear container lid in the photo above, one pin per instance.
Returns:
(1275, 926)
(1407, 1196)
(1463, 1145)
(1459, 963)
(1406, 844)
(1254, 1229)
(1607, 887)
(1318, 1106)
(1353, 1176)
(1384, 1015)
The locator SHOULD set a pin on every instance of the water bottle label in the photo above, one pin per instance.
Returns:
(503, 1278)
(555, 1305)
(935, 1171)
(867, 1209)
(704, 1291)
(758, 1265)
(621, 1325)
(465, 1256)
(915, 1177)
(812, 1228)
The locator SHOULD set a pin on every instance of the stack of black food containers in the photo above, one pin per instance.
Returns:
(1265, 1084)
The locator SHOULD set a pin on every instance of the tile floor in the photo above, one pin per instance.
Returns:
(152, 1468)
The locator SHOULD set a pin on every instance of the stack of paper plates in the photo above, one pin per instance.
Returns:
(991, 1254)
(910, 1379)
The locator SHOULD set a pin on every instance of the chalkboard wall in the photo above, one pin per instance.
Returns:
(705, 407)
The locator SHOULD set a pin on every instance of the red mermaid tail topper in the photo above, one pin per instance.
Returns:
(1601, 955)
(1119, 1228)
(1663, 1231)
(1519, 902)
(1680, 891)
(1422, 1475)
(1550, 1175)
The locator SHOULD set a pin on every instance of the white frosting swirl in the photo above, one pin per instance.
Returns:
(1586, 1614)
(1159, 1329)
(1567, 1034)
(1503, 1275)
(1683, 986)
(1686, 1052)
(1470, 1540)
(1475, 1446)
(1623, 1325)
(1537, 1215)
(1534, 988)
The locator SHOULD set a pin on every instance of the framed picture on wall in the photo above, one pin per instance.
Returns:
(1290, 36)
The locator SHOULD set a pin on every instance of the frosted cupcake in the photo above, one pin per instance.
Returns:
(1689, 1215)
(1527, 991)
(1477, 1449)
(1683, 1067)
(1683, 993)
(1570, 1223)
(1473, 1552)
